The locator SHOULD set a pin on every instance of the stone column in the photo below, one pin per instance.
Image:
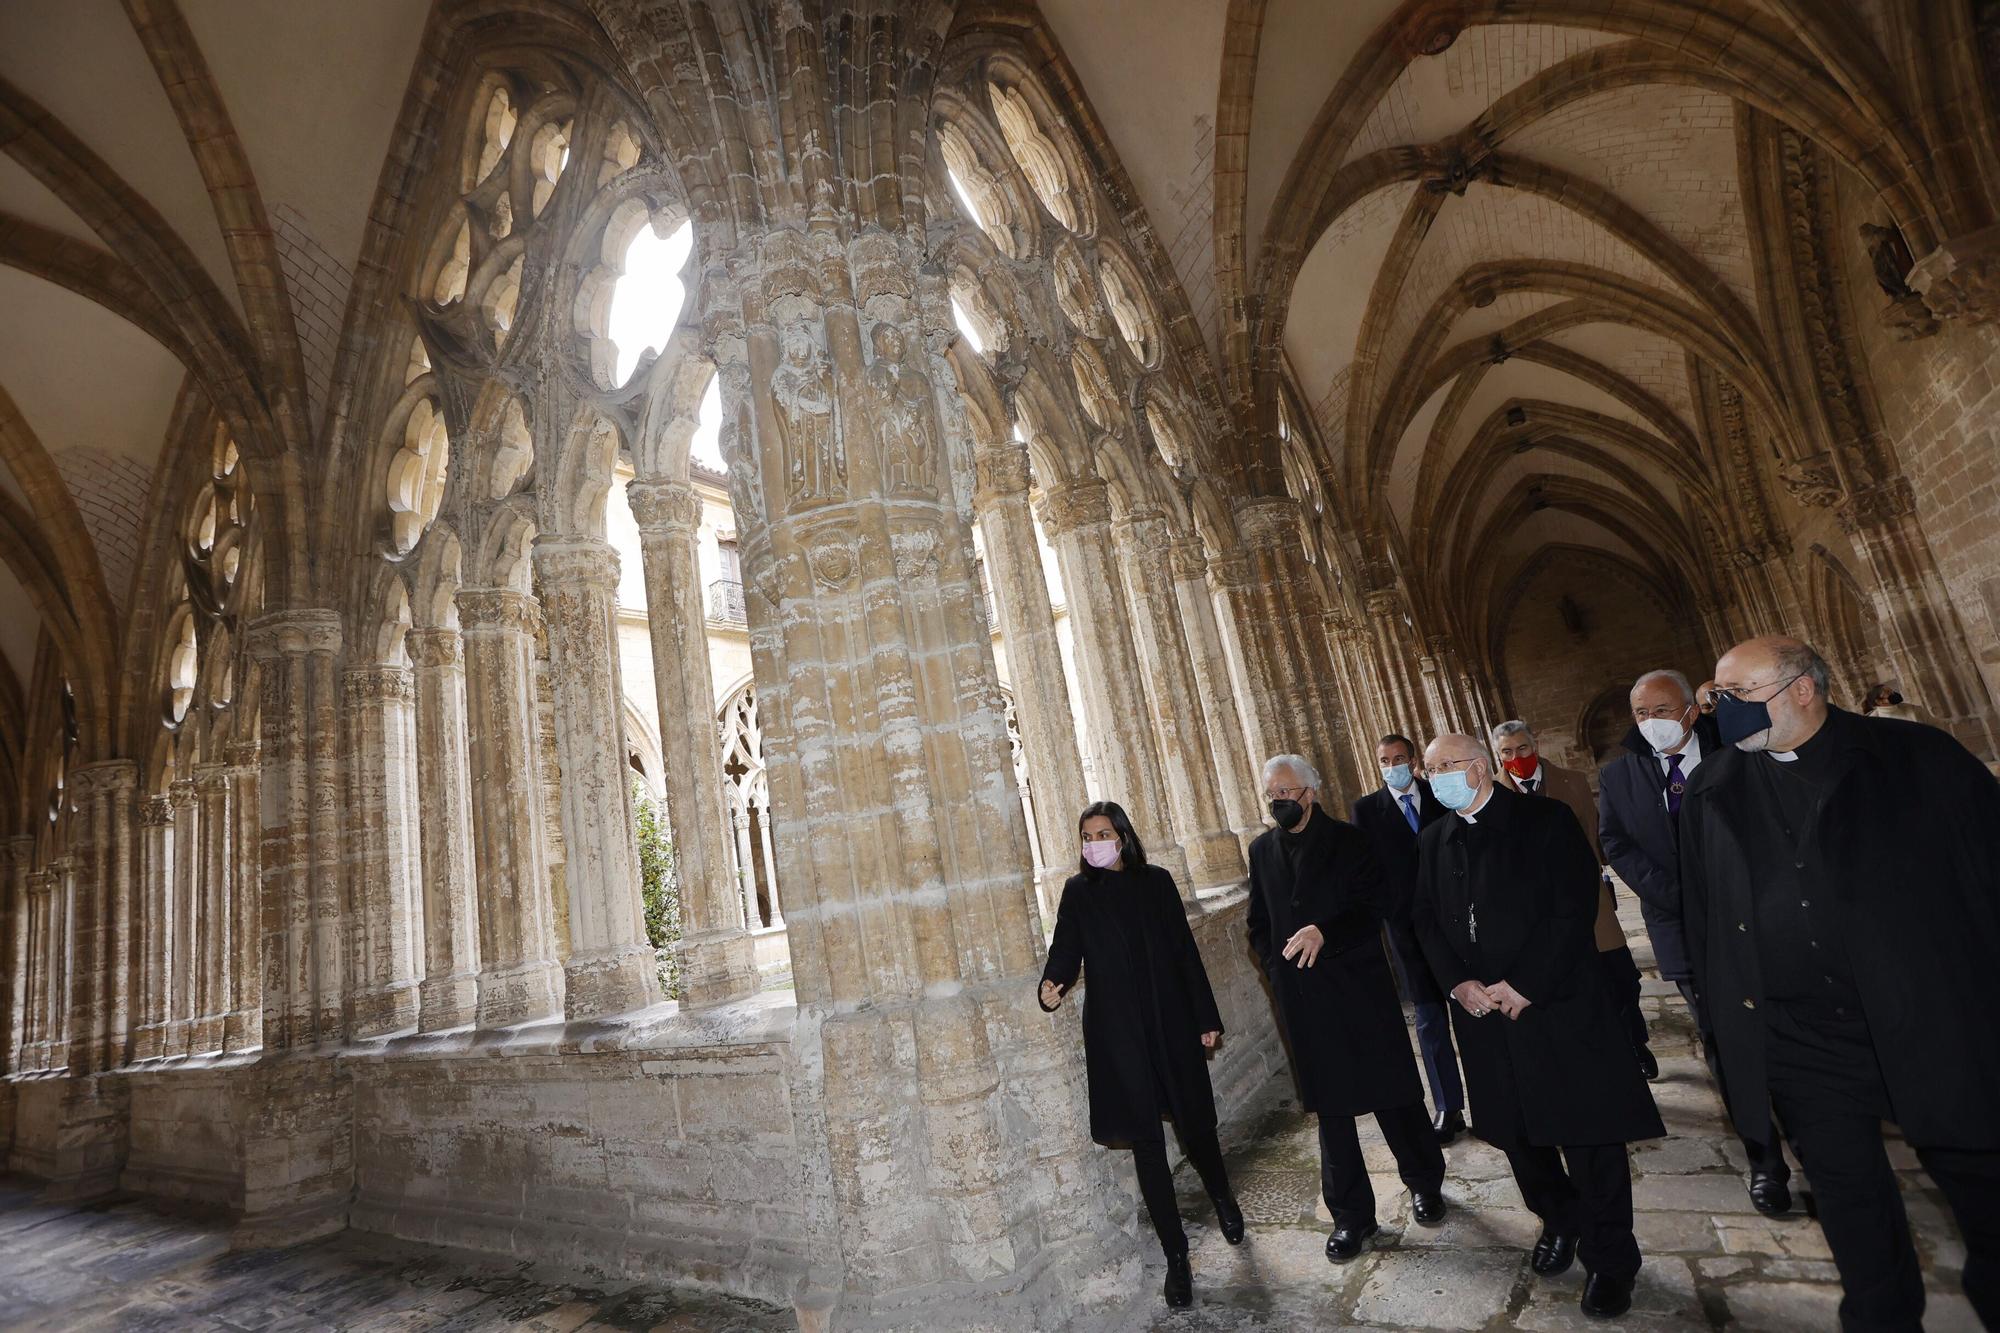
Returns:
(716, 961)
(1214, 855)
(449, 993)
(1077, 517)
(1925, 634)
(184, 884)
(155, 925)
(1236, 775)
(299, 855)
(99, 836)
(519, 980)
(243, 1025)
(1034, 656)
(56, 992)
(211, 888)
(1387, 612)
(20, 854)
(40, 979)
(382, 857)
(611, 969)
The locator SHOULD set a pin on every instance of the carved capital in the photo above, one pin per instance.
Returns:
(1269, 524)
(244, 757)
(1812, 482)
(1190, 561)
(664, 508)
(1075, 505)
(1908, 319)
(294, 633)
(1143, 532)
(211, 779)
(1002, 470)
(366, 685)
(431, 648)
(107, 776)
(1877, 506)
(181, 791)
(157, 812)
(576, 562)
(1961, 278)
(1384, 603)
(496, 611)
(1230, 571)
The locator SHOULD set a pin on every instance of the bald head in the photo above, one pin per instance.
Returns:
(1787, 677)
(1457, 754)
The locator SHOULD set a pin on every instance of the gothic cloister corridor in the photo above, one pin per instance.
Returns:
(567, 567)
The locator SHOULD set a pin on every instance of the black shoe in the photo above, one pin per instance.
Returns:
(1448, 1125)
(1649, 1064)
(1772, 1197)
(1553, 1254)
(1179, 1290)
(1427, 1208)
(1346, 1242)
(1230, 1218)
(1606, 1297)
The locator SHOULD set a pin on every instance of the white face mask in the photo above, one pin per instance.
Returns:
(1662, 733)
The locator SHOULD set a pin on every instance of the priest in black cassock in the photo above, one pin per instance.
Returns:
(1840, 881)
(1505, 905)
(1317, 904)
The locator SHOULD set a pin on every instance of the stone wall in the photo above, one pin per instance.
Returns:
(186, 1140)
(1250, 1048)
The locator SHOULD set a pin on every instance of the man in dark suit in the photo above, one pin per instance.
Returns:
(1506, 900)
(1639, 797)
(1392, 815)
(1838, 884)
(1317, 904)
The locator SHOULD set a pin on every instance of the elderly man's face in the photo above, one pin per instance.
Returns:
(1520, 745)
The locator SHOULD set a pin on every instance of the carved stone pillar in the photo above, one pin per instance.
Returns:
(1276, 611)
(99, 946)
(185, 884)
(519, 980)
(1387, 621)
(154, 926)
(243, 1025)
(1034, 656)
(1925, 636)
(450, 989)
(1236, 775)
(42, 977)
(610, 968)
(716, 961)
(211, 892)
(299, 860)
(1214, 854)
(20, 853)
(384, 930)
(1077, 517)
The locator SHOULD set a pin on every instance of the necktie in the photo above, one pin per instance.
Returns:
(1676, 784)
(1410, 811)
(1532, 785)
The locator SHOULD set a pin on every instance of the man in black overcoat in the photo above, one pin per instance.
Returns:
(1506, 903)
(1317, 904)
(1392, 815)
(1639, 799)
(1841, 892)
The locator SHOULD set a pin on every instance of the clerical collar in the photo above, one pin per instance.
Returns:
(1784, 756)
(1471, 816)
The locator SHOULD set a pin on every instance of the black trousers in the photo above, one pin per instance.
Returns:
(1765, 1158)
(1828, 1090)
(1156, 1182)
(1621, 980)
(1343, 1172)
(1592, 1200)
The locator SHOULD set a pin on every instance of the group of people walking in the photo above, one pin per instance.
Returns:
(1833, 950)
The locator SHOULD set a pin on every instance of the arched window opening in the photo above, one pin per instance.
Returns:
(1129, 311)
(647, 299)
(503, 302)
(1036, 153)
(417, 475)
(746, 793)
(450, 284)
(496, 132)
(967, 326)
(1166, 436)
(183, 667)
(621, 153)
(549, 156)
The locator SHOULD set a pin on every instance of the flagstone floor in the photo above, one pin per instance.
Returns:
(1711, 1261)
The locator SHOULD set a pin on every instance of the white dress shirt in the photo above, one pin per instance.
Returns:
(1690, 756)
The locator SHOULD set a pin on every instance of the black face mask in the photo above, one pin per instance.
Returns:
(1288, 813)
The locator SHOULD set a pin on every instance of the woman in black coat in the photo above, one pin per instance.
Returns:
(1148, 1016)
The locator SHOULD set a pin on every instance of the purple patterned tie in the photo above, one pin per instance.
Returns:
(1676, 784)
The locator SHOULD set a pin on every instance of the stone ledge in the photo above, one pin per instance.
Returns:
(763, 1019)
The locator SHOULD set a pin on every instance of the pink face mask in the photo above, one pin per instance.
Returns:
(1103, 855)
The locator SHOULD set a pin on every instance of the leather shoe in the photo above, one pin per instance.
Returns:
(1649, 1064)
(1771, 1196)
(1448, 1125)
(1229, 1217)
(1179, 1290)
(1553, 1254)
(1346, 1242)
(1606, 1297)
(1427, 1208)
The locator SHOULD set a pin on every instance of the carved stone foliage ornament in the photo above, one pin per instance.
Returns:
(802, 388)
(905, 416)
(1961, 278)
(1811, 481)
(1076, 290)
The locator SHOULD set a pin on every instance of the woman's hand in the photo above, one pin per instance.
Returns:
(1052, 995)
(1208, 1039)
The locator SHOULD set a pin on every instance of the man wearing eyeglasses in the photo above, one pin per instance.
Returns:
(1841, 893)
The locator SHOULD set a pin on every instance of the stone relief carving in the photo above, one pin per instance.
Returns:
(1093, 386)
(1811, 481)
(1076, 290)
(915, 551)
(1961, 278)
(1906, 316)
(1041, 161)
(815, 459)
(905, 415)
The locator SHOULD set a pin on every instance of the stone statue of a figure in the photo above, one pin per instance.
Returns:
(815, 462)
(905, 420)
(1891, 256)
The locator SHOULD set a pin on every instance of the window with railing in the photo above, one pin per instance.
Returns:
(725, 602)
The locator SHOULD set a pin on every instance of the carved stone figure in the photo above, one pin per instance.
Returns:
(905, 415)
(1811, 481)
(815, 460)
(1891, 256)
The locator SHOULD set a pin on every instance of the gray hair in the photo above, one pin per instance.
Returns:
(1303, 771)
(1802, 660)
(1665, 673)
(1513, 727)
